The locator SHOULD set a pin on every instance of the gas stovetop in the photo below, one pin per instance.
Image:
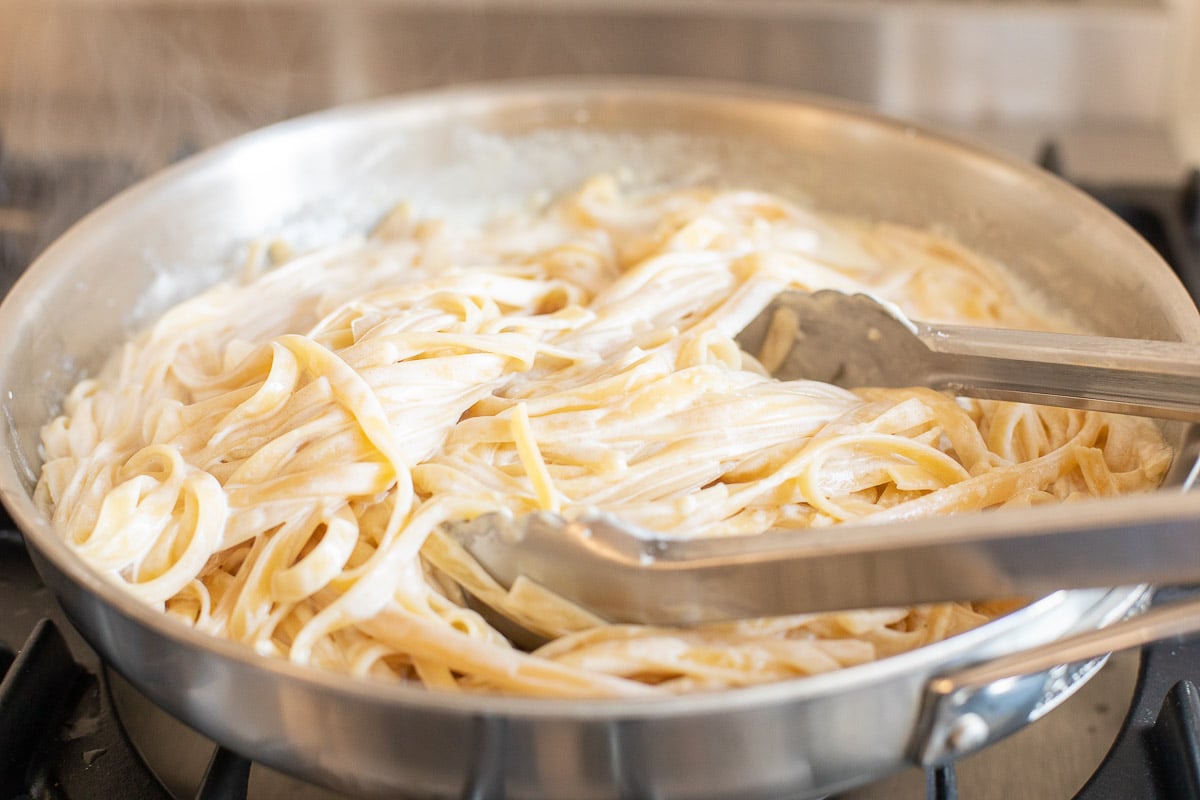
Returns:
(72, 729)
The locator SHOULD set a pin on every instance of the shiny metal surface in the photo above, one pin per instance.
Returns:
(1081, 731)
(854, 340)
(470, 152)
(964, 708)
(626, 574)
(200, 71)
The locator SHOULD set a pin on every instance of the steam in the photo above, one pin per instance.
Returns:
(145, 82)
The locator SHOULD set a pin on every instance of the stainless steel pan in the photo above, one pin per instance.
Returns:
(471, 152)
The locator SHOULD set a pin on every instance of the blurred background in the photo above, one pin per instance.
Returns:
(1117, 82)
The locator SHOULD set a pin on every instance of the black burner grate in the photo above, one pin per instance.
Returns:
(1168, 217)
(60, 738)
(33, 697)
(1156, 756)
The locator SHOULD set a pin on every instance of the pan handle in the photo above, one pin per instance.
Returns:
(968, 708)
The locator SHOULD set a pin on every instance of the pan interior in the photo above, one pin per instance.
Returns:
(470, 154)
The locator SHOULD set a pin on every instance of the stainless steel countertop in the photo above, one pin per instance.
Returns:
(147, 78)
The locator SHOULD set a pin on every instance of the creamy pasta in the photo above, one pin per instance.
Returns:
(271, 461)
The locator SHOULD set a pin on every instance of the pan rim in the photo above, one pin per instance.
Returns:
(40, 536)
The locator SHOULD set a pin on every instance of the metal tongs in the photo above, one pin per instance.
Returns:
(626, 574)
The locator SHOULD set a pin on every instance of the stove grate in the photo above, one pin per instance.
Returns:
(33, 698)
(1156, 755)
(56, 724)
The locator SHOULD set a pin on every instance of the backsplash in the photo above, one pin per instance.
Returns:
(150, 79)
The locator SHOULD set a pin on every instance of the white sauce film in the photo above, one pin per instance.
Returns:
(272, 460)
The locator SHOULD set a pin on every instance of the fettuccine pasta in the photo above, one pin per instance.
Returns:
(273, 460)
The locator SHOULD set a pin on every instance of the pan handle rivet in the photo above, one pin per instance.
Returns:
(967, 733)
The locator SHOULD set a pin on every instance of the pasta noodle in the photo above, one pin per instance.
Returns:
(272, 460)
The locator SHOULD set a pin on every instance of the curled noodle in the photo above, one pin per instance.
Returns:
(272, 460)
